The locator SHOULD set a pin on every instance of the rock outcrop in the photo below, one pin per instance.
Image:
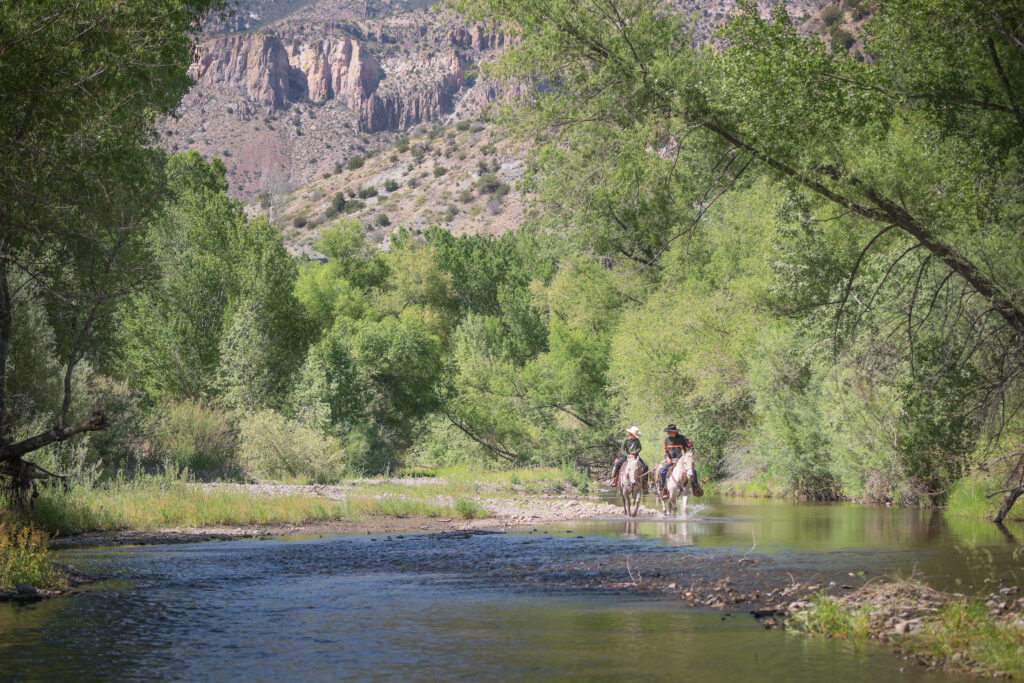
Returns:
(276, 70)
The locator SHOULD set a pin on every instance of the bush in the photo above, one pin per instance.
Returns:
(337, 167)
(25, 558)
(366, 453)
(272, 447)
(390, 185)
(299, 221)
(330, 212)
(188, 435)
(470, 509)
(830, 15)
(840, 37)
(367, 192)
(382, 220)
(439, 171)
(466, 196)
(354, 205)
(355, 162)
(462, 125)
(338, 203)
(402, 145)
(488, 183)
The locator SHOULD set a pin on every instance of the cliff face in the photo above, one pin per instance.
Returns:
(260, 67)
(276, 70)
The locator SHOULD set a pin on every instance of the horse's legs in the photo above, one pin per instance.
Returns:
(683, 499)
(625, 501)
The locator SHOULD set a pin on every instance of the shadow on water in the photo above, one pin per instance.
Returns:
(537, 603)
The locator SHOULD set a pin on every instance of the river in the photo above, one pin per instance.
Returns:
(553, 602)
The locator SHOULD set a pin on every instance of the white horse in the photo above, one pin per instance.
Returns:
(679, 484)
(631, 485)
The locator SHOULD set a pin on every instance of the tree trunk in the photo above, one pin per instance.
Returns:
(6, 323)
(12, 452)
(1008, 500)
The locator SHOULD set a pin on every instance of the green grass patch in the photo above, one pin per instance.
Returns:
(966, 635)
(827, 617)
(968, 499)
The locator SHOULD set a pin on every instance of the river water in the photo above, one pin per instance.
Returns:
(545, 603)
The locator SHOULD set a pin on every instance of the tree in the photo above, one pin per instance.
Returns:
(916, 153)
(81, 86)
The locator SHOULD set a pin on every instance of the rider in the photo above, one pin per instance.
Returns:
(675, 445)
(630, 446)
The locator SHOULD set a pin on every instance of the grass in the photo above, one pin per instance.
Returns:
(984, 645)
(150, 502)
(25, 558)
(954, 633)
(827, 617)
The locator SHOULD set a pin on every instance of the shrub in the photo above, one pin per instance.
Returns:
(470, 509)
(366, 453)
(466, 196)
(367, 192)
(272, 447)
(338, 202)
(439, 171)
(330, 212)
(830, 15)
(338, 167)
(25, 558)
(354, 205)
(299, 221)
(189, 435)
(462, 125)
(488, 183)
(390, 185)
(382, 220)
(355, 163)
(403, 144)
(840, 37)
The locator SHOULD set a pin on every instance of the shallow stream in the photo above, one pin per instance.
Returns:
(550, 603)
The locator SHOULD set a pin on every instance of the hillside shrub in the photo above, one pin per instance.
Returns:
(830, 15)
(382, 220)
(299, 221)
(367, 192)
(439, 171)
(462, 125)
(338, 202)
(355, 162)
(390, 185)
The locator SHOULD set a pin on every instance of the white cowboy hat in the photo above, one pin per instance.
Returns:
(634, 430)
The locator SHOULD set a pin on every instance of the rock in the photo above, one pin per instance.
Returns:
(902, 628)
(770, 622)
(26, 589)
(1009, 590)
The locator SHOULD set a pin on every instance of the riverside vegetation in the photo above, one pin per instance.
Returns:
(816, 273)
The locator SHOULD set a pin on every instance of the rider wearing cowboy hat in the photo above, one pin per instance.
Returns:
(630, 446)
(675, 445)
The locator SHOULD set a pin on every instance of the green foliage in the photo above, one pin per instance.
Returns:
(274, 448)
(299, 221)
(470, 509)
(187, 435)
(381, 220)
(830, 15)
(218, 272)
(25, 558)
(354, 163)
(367, 192)
(338, 202)
(390, 184)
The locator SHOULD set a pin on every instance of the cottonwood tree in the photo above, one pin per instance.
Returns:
(81, 85)
(924, 140)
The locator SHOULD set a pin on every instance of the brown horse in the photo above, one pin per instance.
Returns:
(679, 483)
(630, 485)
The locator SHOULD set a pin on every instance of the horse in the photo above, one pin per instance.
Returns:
(631, 485)
(679, 483)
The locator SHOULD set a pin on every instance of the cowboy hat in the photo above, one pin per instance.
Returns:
(671, 428)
